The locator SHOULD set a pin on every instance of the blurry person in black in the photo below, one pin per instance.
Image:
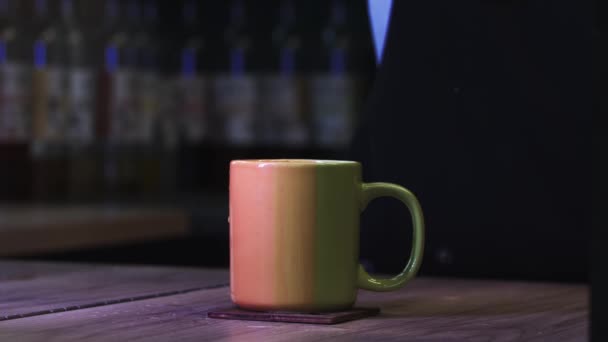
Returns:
(483, 110)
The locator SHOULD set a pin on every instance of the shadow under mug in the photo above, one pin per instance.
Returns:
(294, 234)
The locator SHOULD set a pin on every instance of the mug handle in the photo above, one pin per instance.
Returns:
(371, 191)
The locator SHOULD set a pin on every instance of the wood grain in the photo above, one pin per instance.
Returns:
(30, 230)
(430, 309)
(35, 288)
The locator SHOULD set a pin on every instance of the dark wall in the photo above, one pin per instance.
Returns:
(483, 109)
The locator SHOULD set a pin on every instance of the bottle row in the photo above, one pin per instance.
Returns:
(71, 106)
(65, 82)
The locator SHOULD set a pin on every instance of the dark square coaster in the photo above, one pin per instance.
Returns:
(294, 317)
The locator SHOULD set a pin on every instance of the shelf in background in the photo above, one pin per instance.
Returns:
(27, 230)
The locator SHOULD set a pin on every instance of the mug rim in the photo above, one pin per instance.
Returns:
(293, 162)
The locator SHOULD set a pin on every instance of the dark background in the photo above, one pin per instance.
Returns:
(484, 111)
(481, 108)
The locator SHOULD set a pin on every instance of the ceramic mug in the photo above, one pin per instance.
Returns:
(294, 234)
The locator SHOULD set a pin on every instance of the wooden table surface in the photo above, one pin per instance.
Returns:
(64, 302)
(28, 230)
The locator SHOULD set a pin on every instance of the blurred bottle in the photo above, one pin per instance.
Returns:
(48, 104)
(155, 123)
(282, 121)
(235, 88)
(14, 123)
(135, 111)
(333, 86)
(15, 86)
(107, 40)
(116, 107)
(84, 175)
(191, 85)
